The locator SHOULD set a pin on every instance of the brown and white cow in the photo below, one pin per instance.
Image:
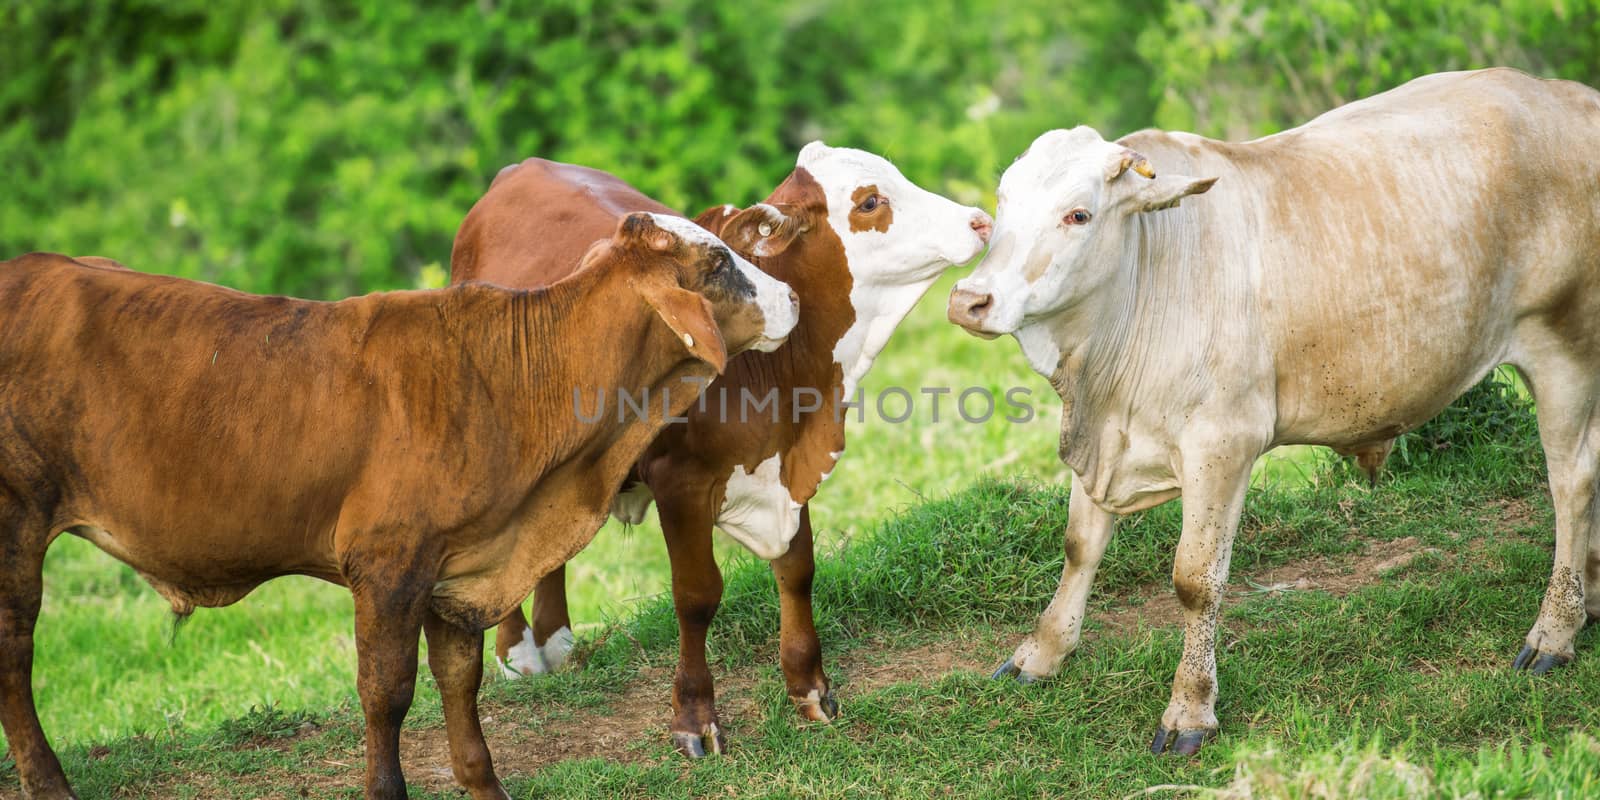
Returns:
(860, 244)
(1339, 284)
(420, 448)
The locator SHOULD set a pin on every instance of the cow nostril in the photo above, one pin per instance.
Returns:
(968, 309)
(982, 225)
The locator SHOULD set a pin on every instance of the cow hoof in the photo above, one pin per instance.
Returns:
(1536, 662)
(693, 745)
(817, 706)
(1183, 743)
(1014, 672)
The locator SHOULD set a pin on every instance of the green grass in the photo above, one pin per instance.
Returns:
(1399, 689)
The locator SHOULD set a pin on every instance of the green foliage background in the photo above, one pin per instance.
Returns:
(326, 148)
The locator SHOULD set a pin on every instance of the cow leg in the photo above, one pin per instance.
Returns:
(800, 651)
(455, 656)
(521, 649)
(389, 618)
(696, 592)
(1213, 498)
(1569, 428)
(1056, 636)
(21, 587)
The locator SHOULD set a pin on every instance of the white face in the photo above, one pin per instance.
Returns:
(895, 233)
(1063, 209)
(1037, 242)
(777, 303)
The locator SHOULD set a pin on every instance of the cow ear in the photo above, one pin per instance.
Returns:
(713, 218)
(761, 230)
(689, 316)
(1165, 191)
(641, 228)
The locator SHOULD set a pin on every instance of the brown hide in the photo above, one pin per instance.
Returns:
(420, 448)
(524, 233)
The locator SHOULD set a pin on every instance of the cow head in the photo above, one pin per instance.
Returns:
(1064, 208)
(716, 302)
(895, 233)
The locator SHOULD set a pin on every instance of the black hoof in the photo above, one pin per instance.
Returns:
(694, 745)
(1014, 672)
(829, 706)
(1183, 743)
(689, 744)
(1536, 662)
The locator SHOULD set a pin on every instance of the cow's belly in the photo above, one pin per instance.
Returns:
(758, 510)
(192, 571)
(1354, 401)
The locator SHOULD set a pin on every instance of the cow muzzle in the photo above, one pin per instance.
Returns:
(780, 315)
(969, 309)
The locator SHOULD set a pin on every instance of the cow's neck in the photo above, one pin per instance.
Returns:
(537, 351)
(1133, 355)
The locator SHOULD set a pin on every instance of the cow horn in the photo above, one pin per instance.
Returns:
(1129, 159)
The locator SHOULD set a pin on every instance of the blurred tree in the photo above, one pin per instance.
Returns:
(327, 148)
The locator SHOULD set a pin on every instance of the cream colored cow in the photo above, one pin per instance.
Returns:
(1337, 284)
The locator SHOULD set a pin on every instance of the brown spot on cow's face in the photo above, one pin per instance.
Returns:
(869, 210)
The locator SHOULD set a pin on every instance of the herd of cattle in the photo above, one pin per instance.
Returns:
(1338, 284)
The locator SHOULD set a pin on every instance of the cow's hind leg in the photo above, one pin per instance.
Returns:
(22, 545)
(696, 593)
(455, 656)
(521, 649)
(1568, 396)
(1089, 529)
(800, 651)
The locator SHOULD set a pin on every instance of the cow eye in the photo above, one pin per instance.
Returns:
(870, 203)
(1077, 216)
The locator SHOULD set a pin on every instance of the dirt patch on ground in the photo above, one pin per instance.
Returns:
(867, 668)
(1157, 606)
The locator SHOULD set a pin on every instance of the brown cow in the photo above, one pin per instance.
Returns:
(420, 448)
(860, 244)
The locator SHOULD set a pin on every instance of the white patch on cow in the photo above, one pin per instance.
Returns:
(524, 658)
(772, 295)
(687, 230)
(557, 648)
(833, 458)
(630, 506)
(758, 511)
(1040, 348)
(728, 209)
(890, 270)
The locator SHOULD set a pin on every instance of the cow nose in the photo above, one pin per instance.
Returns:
(794, 303)
(968, 308)
(983, 225)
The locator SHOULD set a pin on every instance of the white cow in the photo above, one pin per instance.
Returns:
(1340, 284)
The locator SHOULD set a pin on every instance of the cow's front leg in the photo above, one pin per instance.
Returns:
(800, 651)
(696, 593)
(1214, 485)
(1089, 529)
(455, 656)
(521, 649)
(21, 589)
(389, 607)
